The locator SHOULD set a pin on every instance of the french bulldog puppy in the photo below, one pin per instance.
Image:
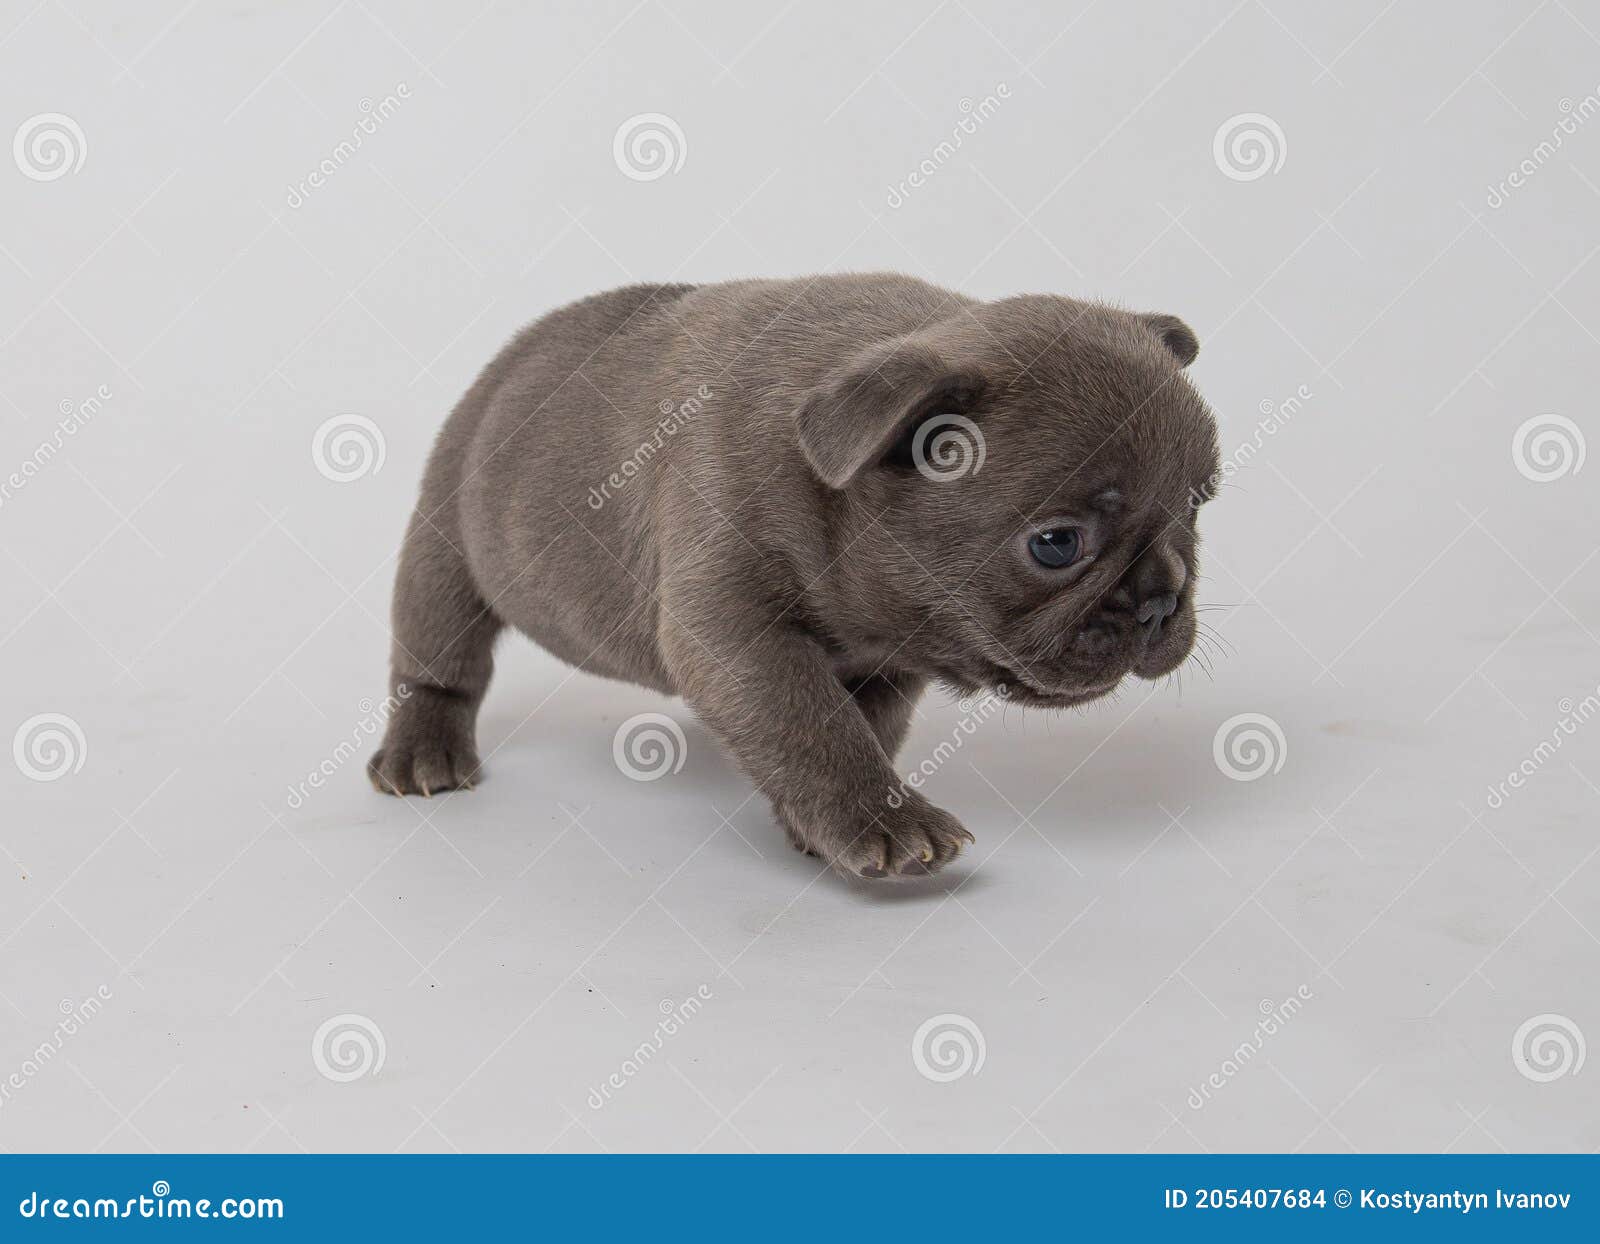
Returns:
(795, 503)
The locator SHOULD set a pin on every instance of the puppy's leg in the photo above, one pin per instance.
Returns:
(887, 702)
(439, 668)
(770, 696)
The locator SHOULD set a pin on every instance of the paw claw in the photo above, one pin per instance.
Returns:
(427, 767)
(915, 840)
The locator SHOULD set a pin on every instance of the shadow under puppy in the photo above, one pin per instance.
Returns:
(796, 503)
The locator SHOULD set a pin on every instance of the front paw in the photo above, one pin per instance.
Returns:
(913, 840)
(428, 746)
(423, 767)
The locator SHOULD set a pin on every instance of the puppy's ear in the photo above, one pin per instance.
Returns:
(1175, 335)
(859, 411)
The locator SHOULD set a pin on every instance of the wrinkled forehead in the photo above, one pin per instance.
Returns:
(1110, 483)
(1173, 453)
(1139, 432)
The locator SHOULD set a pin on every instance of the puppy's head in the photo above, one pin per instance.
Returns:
(1016, 491)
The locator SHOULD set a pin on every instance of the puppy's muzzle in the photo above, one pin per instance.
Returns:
(1154, 611)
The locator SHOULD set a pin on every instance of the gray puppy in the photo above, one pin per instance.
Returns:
(797, 502)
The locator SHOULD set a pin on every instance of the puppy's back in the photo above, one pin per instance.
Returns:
(554, 415)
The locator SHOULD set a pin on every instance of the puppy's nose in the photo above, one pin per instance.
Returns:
(1156, 610)
(1159, 574)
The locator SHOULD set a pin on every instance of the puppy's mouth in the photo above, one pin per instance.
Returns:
(1023, 691)
(1020, 687)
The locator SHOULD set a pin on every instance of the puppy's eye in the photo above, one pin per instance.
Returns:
(1056, 548)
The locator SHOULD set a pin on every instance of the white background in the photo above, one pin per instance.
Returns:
(1412, 610)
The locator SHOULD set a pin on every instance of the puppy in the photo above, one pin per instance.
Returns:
(795, 503)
